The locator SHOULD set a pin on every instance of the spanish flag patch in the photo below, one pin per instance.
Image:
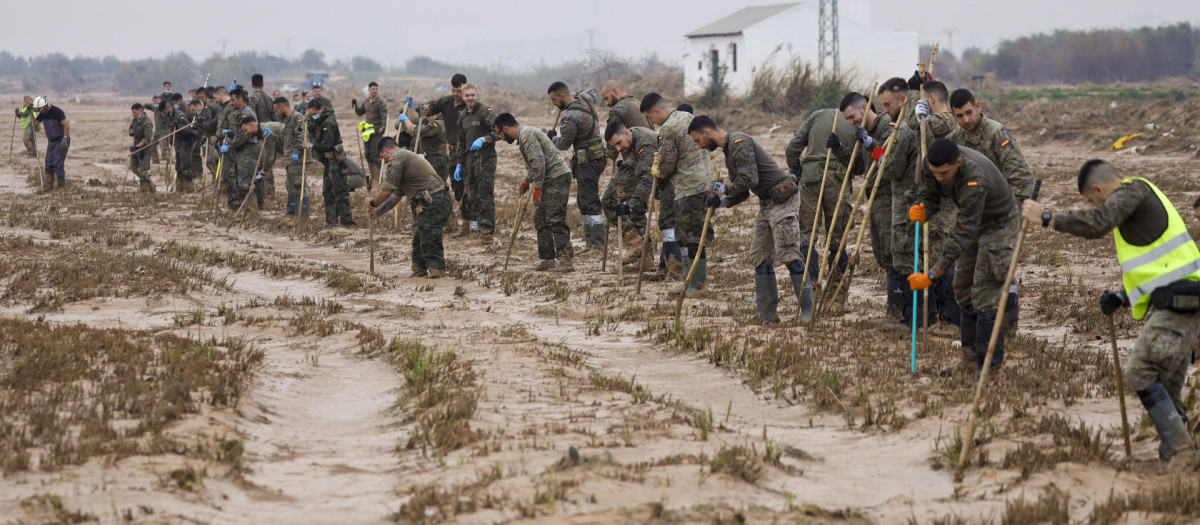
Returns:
(972, 184)
(564, 121)
(524, 140)
(737, 141)
(1005, 143)
(640, 150)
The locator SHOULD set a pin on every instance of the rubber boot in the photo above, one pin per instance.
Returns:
(969, 328)
(1012, 311)
(896, 286)
(699, 277)
(1172, 433)
(594, 235)
(804, 295)
(766, 293)
(983, 335)
(293, 202)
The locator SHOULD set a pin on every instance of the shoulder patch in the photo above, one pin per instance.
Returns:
(972, 184)
(489, 108)
(1005, 143)
(565, 120)
(524, 140)
(737, 141)
(435, 124)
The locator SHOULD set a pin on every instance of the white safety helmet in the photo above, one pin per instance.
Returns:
(39, 103)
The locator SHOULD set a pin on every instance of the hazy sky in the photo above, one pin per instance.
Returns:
(517, 33)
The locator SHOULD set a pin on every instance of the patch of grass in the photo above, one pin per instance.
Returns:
(69, 393)
(1071, 443)
(739, 462)
(1180, 499)
(441, 395)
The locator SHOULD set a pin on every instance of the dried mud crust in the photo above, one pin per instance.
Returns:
(495, 396)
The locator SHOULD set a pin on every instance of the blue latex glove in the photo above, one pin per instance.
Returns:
(458, 173)
(226, 132)
(408, 101)
(266, 132)
(295, 157)
(477, 144)
(402, 118)
(224, 149)
(133, 148)
(717, 187)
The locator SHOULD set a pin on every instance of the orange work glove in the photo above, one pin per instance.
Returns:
(523, 187)
(877, 153)
(919, 281)
(917, 213)
(537, 195)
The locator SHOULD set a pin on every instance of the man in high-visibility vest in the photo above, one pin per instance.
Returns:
(1160, 268)
(29, 125)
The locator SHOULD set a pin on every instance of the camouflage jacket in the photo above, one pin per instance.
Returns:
(809, 140)
(998, 144)
(680, 160)
(180, 120)
(579, 126)
(641, 157)
(473, 124)
(751, 169)
(245, 152)
(141, 130)
(433, 137)
(542, 160)
(938, 125)
(376, 112)
(263, 108)
(293, 136)
(982, 196)
(411, 175)
(626, 112)
(1133, 208)
(324, 135)
(208, 118)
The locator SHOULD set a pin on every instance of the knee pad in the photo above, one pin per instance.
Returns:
(765, 269)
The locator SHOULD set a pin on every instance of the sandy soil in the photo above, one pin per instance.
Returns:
(326, 422)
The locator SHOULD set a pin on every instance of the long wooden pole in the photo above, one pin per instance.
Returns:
(1112, 335)
(250, 192)
(646, 244)
(696, 258)
(303, 177)
(879, 171)
(516, 225)
(925, 241)
(812, 236)
(396, 211)
(842, 192)
(965, 457)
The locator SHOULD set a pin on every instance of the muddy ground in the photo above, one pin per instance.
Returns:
(512, 396)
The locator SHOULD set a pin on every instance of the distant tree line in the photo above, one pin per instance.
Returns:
(1096, 56)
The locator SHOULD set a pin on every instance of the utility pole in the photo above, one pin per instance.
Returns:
(224, 42)
(827, 48)
(950, 33)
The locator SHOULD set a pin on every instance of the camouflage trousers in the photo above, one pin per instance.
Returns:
(550, 219)
(881, 225)
(587, 189)
(139, 163)
(689, 222)
(479, 176)
(776, 237)
(981, 269)
(183, 160)
(429, 219)
(810, 192)
(441, 165)
(295, 174)
(197, 166)
(1163, 352)
(336, 194)
(666, 207)
(634, 193)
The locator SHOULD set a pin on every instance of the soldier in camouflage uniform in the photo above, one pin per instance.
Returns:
(623, 111)
(872, 130)
(579, 128)
(185, 136)
(993, 139)
(549, 179)
(260, 101)
(805, 155)
(980, 244)
(450, 106)
(142, 131)
(326, 140)
(376, 111)
(195, 112)
(687, 171)
(292, 139)
(429, 198)
(629, 190)
(244, 159)
(901, 173)
(477, 163)
(433, 137)
(1160, 269)
(229, 124)
(776, 236)
(216, 97)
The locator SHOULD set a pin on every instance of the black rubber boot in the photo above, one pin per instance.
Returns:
(766, 293)
(983, 334)
(969, 328)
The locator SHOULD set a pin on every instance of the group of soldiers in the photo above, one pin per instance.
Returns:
(933, 161)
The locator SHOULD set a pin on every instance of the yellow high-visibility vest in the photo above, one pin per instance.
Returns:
(1172, 257)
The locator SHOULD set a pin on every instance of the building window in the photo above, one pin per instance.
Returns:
(733, 55)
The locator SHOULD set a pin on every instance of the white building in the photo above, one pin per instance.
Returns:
(741, 44)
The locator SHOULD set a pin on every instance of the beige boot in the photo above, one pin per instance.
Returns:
(485, 235)
(566, 263)
(633, 247)
(465, 229)
(675, 270)
(418, 271)
(543, 266)
(436, 274)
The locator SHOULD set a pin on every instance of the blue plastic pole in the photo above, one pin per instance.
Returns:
(916, 268)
